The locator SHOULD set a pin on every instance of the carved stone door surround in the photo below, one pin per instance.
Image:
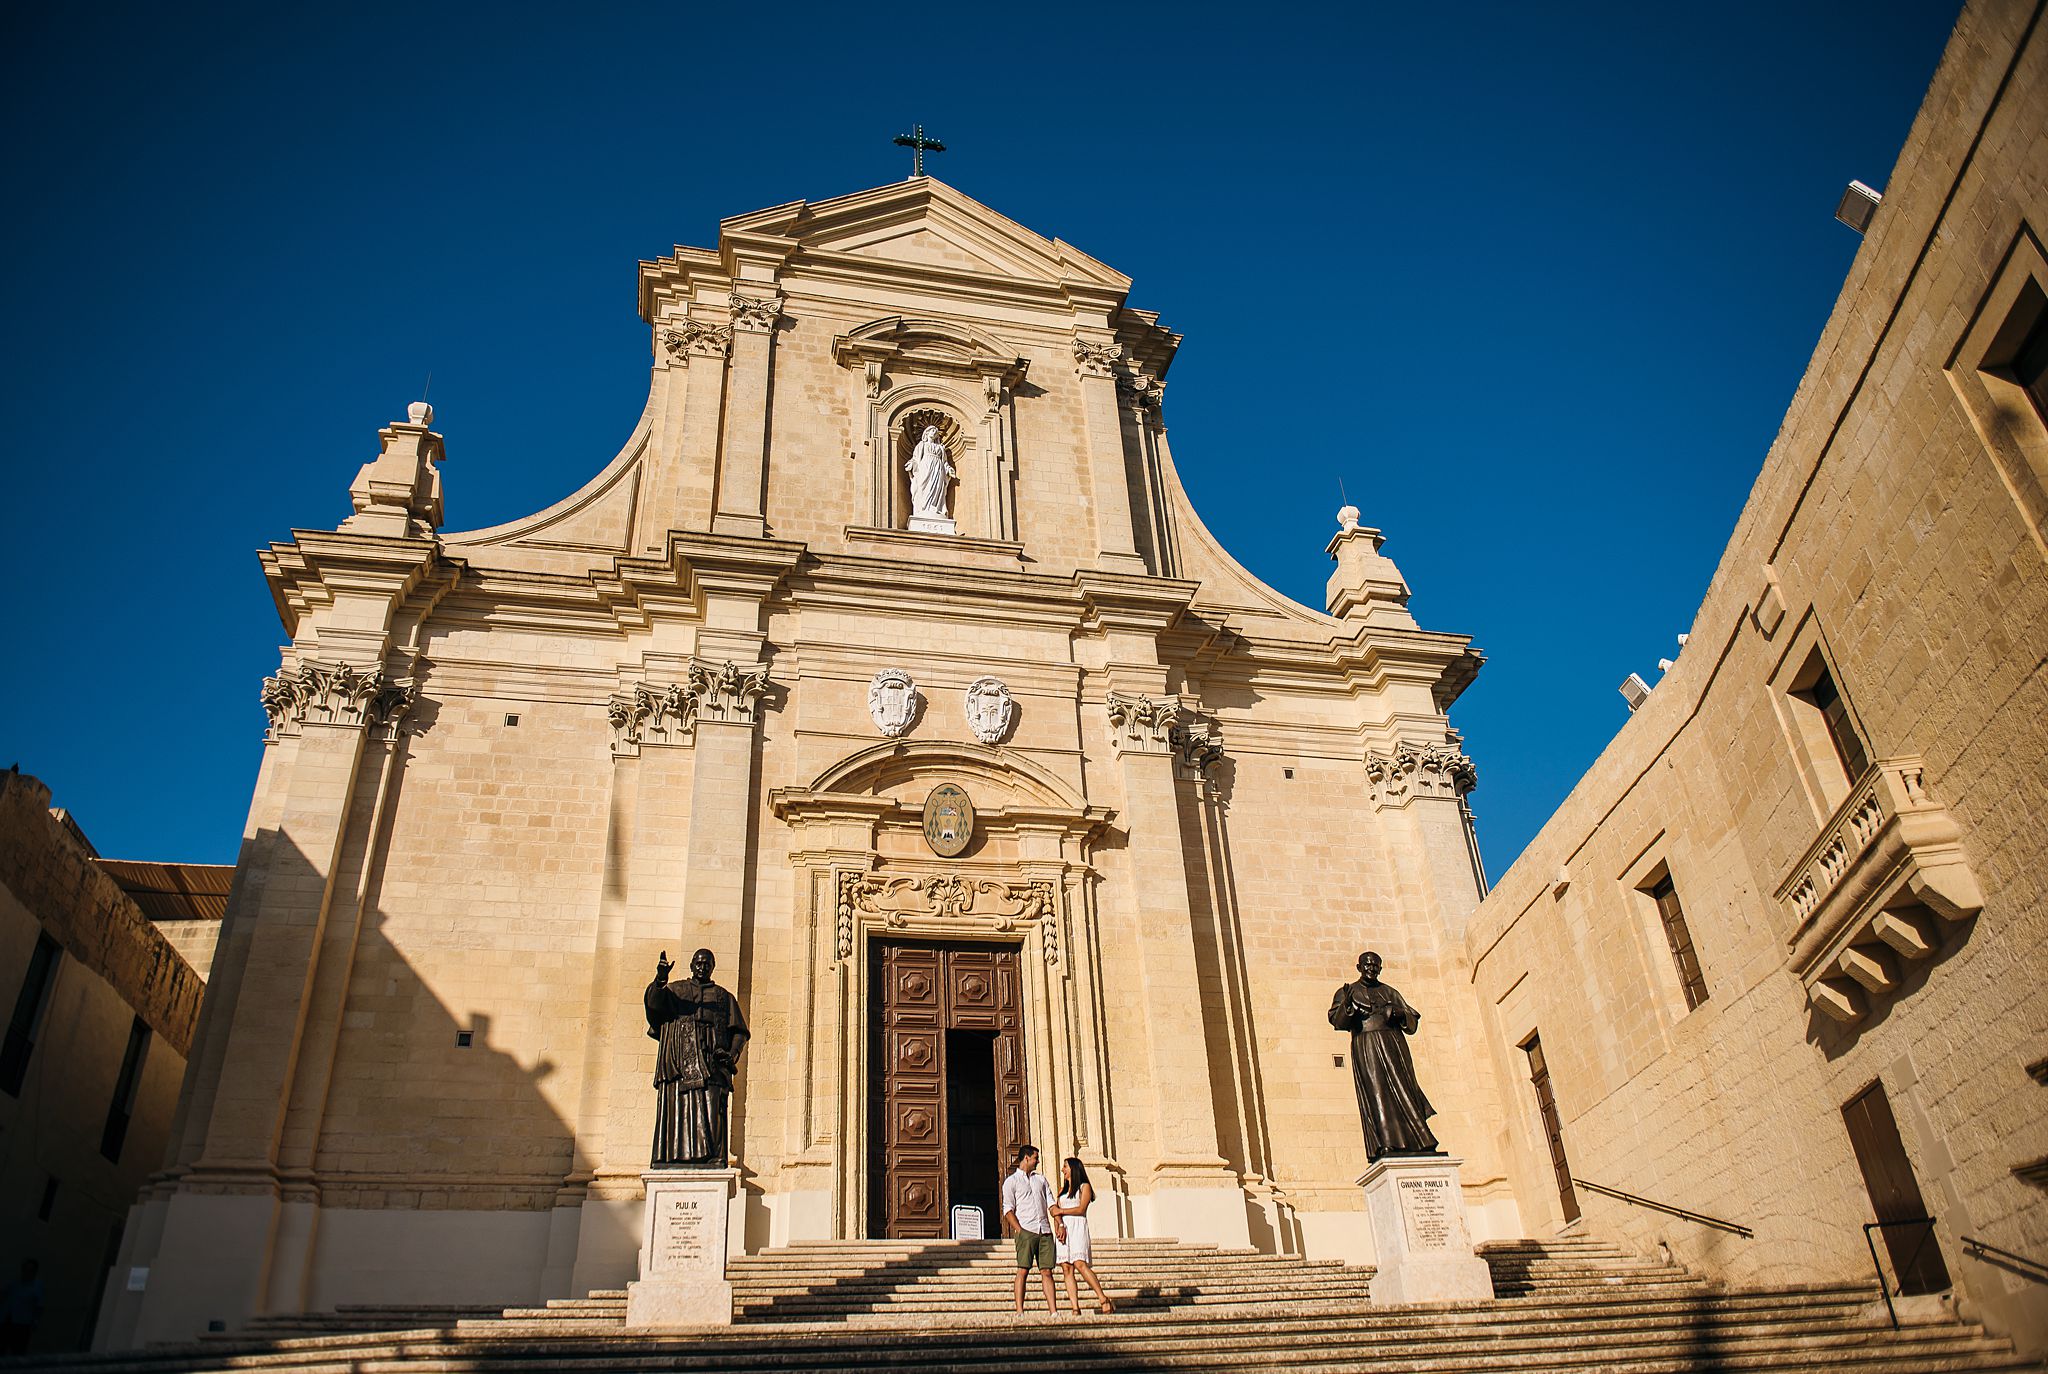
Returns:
(855, 884)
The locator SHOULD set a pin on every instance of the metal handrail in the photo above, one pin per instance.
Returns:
(1871, 1241)
(1700, 1217)
(1992, 1254)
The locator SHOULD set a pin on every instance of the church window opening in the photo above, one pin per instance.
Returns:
(1553, 1128)
(1832, 747)
(126, 1085)
(2030, 361)
(29, 1006)
(1664, 893)
(1895, 1198)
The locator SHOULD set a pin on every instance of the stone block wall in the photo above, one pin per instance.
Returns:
(1889, 534)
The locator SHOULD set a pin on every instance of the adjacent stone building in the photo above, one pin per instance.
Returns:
(101, 1008)
(889, 661)
(1778, 958)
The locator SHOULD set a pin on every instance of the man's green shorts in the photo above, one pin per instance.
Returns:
(1034, 1249)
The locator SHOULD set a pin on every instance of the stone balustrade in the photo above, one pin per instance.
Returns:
(1864, 895)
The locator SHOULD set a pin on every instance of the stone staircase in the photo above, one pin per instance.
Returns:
(1564, 1306)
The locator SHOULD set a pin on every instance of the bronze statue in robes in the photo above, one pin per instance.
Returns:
(1390, 1103)
(702, 1034)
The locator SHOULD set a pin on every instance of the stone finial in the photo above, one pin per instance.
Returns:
(1366, 586)
(398, 493)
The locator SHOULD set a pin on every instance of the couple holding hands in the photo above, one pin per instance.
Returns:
(1051, 1231)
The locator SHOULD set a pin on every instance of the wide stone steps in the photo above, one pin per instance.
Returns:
(1566, 1307)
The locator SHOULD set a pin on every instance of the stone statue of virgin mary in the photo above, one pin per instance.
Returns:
(931, 474)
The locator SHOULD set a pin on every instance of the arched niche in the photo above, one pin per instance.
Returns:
(900, 364)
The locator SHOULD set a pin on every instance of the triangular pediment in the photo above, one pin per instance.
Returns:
(925, 223)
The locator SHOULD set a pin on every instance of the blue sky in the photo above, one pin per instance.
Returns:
(1535, 282)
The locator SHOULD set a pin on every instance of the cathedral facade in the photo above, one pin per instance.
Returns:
(889, 662)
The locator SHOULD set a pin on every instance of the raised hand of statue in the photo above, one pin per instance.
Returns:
(662, 966)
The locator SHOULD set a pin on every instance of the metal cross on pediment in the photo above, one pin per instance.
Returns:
(919, 145)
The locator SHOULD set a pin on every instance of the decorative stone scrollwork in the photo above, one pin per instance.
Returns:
(668, 714)
(992, 391)
(755, 314)
(990, 709)
(1096, 360)
(1141, 389)
(697, 338)
(1141, 724)
(986, 903)
(1411, 771)
(314, 693)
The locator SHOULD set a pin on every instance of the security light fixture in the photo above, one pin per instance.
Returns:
(1859, 203)
(1634, 690)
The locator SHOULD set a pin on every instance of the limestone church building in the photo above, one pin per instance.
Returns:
(705, 700)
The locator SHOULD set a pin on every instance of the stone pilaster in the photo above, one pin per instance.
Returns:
(1194, 1194)
(1095, 364)
(743, 461)
(1419, 789)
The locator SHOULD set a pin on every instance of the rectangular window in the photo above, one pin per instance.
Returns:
(1665, 895)
(1834, 713)
(2030, 365)
(1553, 1129)
(1894, 1193)
(125, 1088)
(28, 1014)
(1831, 748)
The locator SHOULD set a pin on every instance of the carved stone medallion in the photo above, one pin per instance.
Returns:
(892, 701)
(990, 709)
(948, 820)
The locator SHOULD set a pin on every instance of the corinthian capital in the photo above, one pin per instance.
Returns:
(755, 314)
(1096, 359)
(338, 694)
(1140, 724)
(687, 338)
(1409, 770)
(728, 691)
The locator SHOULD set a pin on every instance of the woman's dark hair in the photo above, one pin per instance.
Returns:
(1077, 1176)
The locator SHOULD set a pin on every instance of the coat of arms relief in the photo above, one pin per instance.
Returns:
(990, 709)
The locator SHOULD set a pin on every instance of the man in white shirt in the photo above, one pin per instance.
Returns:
(1027, 1212)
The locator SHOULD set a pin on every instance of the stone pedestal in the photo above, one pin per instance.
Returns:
(684, 1243)
(1418, 1229)
(933, 524)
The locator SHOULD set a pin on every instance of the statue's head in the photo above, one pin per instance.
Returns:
(931, 432)
(1370, 964)
(701, 964)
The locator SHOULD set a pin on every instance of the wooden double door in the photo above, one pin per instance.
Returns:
(947, 1048)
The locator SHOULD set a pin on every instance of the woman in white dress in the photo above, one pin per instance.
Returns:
(1074, 1251)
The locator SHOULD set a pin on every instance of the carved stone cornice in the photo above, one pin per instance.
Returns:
(933, 902)
(1861, 894)
(338, 694)
(668, 714)
(688, 338)
(1096, 359)
(755, 314)
(1411, 770)
(1140, 724)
